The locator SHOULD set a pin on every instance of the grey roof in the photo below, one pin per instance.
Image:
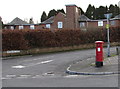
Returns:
(48, 21)
(118, 16)
(18, 21)
(84, 18)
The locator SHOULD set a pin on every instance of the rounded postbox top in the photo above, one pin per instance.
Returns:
(99, 42)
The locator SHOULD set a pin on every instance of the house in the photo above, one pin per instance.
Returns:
(71, 20)
(17, 23)
(74, 20)
(86, 23)
(63, 21)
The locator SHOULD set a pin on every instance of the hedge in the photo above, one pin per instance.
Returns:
(21, 39)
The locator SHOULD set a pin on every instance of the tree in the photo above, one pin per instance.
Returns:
(61, 10)
(102, 11)
(90, 11)
(31, 21)
(111, 10)
(43, 16)
(52, 13)
(99, 12)
(116, 11)
(82, 12)
(2, 25)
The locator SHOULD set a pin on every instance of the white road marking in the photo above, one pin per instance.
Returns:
(4, 78)
(44, 62)
(37, 59)
(24, 76)
(36, 76)
(18, 67)
(33, 64)
(8, 77)
(76, 76)
(69, 76)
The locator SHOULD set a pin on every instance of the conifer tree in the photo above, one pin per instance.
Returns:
(43, 16)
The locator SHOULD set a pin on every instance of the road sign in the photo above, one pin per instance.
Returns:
(107, 26)
(108, 16)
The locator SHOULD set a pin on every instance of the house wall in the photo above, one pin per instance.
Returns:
(24, 26)
(60, 17)
(94, 24)
(117, 23)
(42, 26)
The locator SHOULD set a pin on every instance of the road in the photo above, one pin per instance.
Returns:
(48, 70)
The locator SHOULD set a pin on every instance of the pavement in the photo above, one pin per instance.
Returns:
(87, 67)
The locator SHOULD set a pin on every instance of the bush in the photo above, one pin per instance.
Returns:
(19, 40)
(13, 40)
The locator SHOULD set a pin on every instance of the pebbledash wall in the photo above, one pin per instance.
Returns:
(72, 20)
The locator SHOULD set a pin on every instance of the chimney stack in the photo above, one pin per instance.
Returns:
(72, 16)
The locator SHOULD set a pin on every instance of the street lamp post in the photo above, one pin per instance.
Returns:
(108, 16)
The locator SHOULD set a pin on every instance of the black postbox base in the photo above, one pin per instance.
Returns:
(99, 64)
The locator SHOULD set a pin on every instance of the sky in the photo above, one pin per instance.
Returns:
(25, 9)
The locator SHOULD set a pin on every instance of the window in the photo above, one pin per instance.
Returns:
(12, 27)
(60, 24)
(47, 25)
(32, 27)
(100, 23)
(112, 22)
(21, 27)
(82, 24)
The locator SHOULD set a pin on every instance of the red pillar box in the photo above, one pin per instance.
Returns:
(99, 53)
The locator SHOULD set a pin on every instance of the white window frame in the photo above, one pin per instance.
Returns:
(32, 27)
(60, 24)
(21, 27)
(48, 25)
(100, 23)
(82, 24)
(112, 22)
(12, 27)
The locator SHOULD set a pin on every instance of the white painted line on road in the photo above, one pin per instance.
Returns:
(21, 66)
(76, 76)
(37, 76)
(37, 59)
(24, 76)
(4, 78)
(44, 62)
(10, 76)
(70, 76)
(18, 67)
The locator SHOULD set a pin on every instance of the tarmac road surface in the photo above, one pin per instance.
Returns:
(49, 71)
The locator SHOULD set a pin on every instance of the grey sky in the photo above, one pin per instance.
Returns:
(25, 9)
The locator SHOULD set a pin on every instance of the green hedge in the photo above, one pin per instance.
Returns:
(19, 40)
